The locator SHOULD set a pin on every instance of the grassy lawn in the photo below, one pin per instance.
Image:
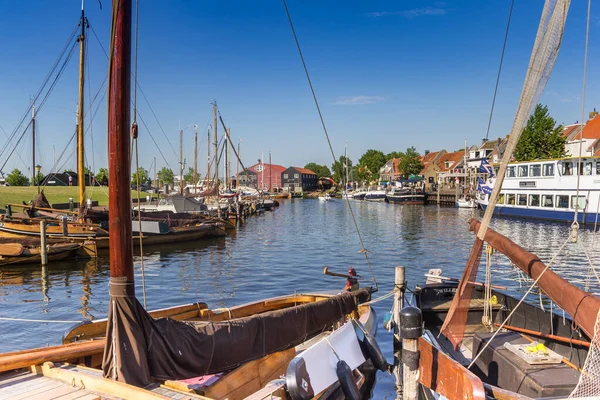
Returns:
(55, 194)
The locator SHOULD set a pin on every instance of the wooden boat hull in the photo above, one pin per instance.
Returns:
(19, 229)
(84, 344)
(55, 252)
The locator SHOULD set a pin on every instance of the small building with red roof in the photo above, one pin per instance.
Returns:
(262, 176)
(296, 179)
(588, 139)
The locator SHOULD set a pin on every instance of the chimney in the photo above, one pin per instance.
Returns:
(426, 152)
(593, 113)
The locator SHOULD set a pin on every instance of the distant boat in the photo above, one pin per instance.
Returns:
(325, 197)
(406, 196)
(466, 202)
(375, 195)
(359, 195)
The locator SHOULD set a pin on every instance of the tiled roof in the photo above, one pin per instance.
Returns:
(591, 130)
(274, 167)
(453, 157)
(570, 130)
(304, 170)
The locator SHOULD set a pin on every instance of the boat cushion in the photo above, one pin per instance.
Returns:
(498, 366)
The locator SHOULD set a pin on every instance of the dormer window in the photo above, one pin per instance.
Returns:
(447, 164)
(259, 168)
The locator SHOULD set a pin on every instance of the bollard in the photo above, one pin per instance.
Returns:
(65, 226)
(400, 285)
(70, 204)
(411, 329)
(8, 210)
(43, 248)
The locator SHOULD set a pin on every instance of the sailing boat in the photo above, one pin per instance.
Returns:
(183, 351)
(482, 343)
(466, 200)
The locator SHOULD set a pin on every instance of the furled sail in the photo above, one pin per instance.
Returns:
(581, 305)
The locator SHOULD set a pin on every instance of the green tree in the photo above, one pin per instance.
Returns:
(320, 170)
(189, 176)
(39, 178)
(541, 137)
(16, 178)
(166, 176)
(393, 154)
(68, 170)
(370, 163)
(102, 176)
(410, 163)
(339, 169)
(143, 175)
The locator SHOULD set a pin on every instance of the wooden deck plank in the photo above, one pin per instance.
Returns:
(30, 392)
(23, 387)
(79, 395)
(56, 392)
(12, 378)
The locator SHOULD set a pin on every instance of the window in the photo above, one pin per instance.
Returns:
(547, 200)
(535, 170)
(566, 168)
(447, 164)
(510, 199)
(587, 169)
(510, 172)
(259, 167)
(522, 200)
(534, 200)
(580, 205)
(548, 169)
(285, 176)
(522, 170)
(562, 201)
(598, 167)
(500, 198)
(296, 176)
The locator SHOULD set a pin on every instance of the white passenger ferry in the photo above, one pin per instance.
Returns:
(547, 190)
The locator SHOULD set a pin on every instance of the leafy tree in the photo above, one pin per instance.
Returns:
(320, 170)
(410, 163)
(541, 137)
(39, 178)
(68, 171)
(339, 169)
(370, 163)
(143, 175)
(189, 176)
(102, 176)
(393, 154)
(16, 178)
(166, 176)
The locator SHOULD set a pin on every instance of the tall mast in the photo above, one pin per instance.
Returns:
(229, 158)
(208, 159)
(216, 143)
(195, 157)
(237, 168)
(181, 161)
(346, 161)
(225, 172)
(262, 171)
(80, 108)
(155, 177)
(119, 122)
(33, 145)
(270, 168)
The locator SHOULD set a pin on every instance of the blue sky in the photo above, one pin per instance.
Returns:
(388, 74)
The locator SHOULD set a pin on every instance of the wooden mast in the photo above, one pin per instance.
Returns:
(237, 168)
(195, 157)
(228, 160)
(181, 161)
(216, 146)
(119, 164)
(80, 108)
(33, 146)
(208, 159)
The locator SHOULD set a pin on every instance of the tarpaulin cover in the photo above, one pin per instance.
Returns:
(139, 348)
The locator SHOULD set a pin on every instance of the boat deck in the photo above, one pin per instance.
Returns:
(70, 382)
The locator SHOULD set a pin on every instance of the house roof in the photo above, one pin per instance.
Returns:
(453, 158)
(274, 167)
(430, 158)
(304, 170)
(490, 144)
(570, 132)
(591, 130)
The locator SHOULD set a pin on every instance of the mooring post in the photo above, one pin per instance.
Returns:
(8, 210)
(65, 226)
(43, 248)
(411, 329)
(400, 287)
(70, 204)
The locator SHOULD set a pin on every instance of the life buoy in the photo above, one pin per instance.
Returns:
(347, 382)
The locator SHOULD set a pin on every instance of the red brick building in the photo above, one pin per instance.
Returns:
(268, 176)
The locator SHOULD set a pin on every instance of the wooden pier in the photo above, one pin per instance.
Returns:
(444, 197)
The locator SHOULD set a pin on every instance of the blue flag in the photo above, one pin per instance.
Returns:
(481, 187)
(486, 168)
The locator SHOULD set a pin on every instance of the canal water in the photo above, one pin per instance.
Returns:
(282, 252)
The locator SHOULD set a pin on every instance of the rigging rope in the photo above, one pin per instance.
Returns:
(579, 168)
(487, 133)
(363, 249)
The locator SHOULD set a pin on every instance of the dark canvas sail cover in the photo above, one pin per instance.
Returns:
(139, 348)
